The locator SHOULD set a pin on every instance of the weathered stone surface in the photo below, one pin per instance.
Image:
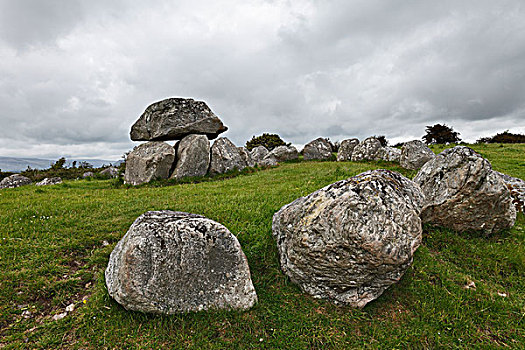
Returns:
(269, 160)
(225, 156)
(345, 149)
(175, 118)
(258, 153)
(110, 172)
(390, 154)
(87, 174)
(48, 181)
(284, 153)
(15, 180)
(246, 156)
(415, 154)
(149, 161)
(172, 262)
(366, 150)
(318, 149)
(351, 240)
(516, 187)
(464, 193)
(193, 157)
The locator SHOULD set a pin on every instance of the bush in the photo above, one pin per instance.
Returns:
(504, 137)
(440, 134)
(382, 139)
(270, 141)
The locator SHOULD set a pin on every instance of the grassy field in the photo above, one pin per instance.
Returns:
(55, 244)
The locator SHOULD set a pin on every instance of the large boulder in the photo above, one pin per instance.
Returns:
(318, 149)
(464, 193)
(15, 180)
(175, 118)
(149, 161)
(283, 153)
(516, 187)
(110, 172)
(172, 262)
(193, 157)
(225, 156)
(415, 154)
(246, 156)
(389, 154)
(351, 240)
(48, 181)
(258, 153)
(345, 149)
(367, 149)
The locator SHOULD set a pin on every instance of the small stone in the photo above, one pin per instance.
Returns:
(59, 316)
(15, 180)
(48, 181)
(70, 308)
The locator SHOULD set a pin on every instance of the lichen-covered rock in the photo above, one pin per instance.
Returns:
(517, 190)
(175, 118)
(318, 149)
(88, 174)
(415, 154)
(48, 181)
(225, 156)
(15, 180)
(366, 150)
(389, 154)
(193, 157)
(258, 153)
(149, 161)
(246, 156)
(284, 153)
(351, 240)
(172, 262)
(345, 149)
(464, 193)
(110, 172)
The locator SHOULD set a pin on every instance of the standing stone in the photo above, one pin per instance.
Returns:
(149, 161)
(463, 193)
(175, 118)
(172, 262)
(193, 157)
(516, 187)
(345, 149)
(415, 154)
(269, 160)
(351, 240)
(48, 181)
(389, 154)
(15, 180)
(225, 156)
(110, 172)
(284, 153)
(366, 150)
(246, 156)
(258, 153)
(318, 149)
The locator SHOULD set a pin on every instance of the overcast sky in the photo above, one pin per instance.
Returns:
(75, 75)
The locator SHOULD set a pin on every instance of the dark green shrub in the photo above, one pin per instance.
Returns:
(440, 134)
(270, 141)
(504, 137)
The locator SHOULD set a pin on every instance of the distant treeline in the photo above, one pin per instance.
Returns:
(504, 137)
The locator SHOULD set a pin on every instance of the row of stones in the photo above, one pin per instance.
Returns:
(347, 242)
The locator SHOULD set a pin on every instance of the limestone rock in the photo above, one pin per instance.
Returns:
(15, 180)
(258, 153)
(175, 118)
(318, 149)
(415, 154)
(284, 153)
(87, 174)
(225, 156)
(464, 193)
(110, 172)
(351, 240)
(246, 156)
(48, 181)
(345, 149)
(366, 150)
(389, 154)
(269, 160)
(517, 190)
(149, 161)
(193, 157)
(172, 262)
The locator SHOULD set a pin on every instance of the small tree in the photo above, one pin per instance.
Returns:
(440, 134)
(59, 164)
(270, 141)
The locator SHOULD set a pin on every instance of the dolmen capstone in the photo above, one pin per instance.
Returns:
(463, 193)
(149, 161)
(414, 155)
(15, 180)
(345, 149)
(349, 241)
(366, 150)
(172, 262)
(516, 187)
(49, 181)
(318, 149)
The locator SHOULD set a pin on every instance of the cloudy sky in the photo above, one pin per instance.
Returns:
(75, 75)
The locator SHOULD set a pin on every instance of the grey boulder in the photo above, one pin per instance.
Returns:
(246, 156)
(175, 118)
(15, 180)
(258, 153)
(349, 241)
(415, 154)
(366, 150)
(193, 157)
(225, 156)
(389, 154)
(87, 174)
(284, 153)
(110, 172)
(516, 187)
(345, 149)
(463, 193)
(48, 181)
(318, 149)
(172, 262)
(149, 161)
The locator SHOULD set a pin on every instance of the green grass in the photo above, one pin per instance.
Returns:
(53, 253)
